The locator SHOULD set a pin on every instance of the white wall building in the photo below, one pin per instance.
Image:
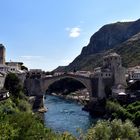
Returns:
(4, 68)
(118, 90)
(2, 80)
(14, 66)
(135, 75)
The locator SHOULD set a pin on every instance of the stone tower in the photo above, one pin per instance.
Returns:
(2, 54)
(114, 63)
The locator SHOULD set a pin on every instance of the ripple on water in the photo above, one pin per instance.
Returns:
(64, 115)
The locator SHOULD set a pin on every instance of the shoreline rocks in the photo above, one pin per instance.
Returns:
(42, 110)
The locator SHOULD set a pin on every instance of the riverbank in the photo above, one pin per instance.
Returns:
(96, 108)
(80, 96)
(37, 103)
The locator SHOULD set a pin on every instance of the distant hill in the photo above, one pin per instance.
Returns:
(121, 37)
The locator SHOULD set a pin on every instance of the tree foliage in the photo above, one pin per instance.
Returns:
(15, 87)
(131, 111)
(13, 84)
(24, 68)
(17, 122)
(115, 130)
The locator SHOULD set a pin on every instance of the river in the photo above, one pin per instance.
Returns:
(65, 115)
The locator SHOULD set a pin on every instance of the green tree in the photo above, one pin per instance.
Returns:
(7, 131)
(115, 130)
(24, 68)
(13, 84)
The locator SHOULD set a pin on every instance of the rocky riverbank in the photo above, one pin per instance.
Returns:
(96, 108)
(37, 104)
(81, 96)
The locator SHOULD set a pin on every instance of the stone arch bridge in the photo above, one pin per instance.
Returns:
(86, 81)
(94, 85)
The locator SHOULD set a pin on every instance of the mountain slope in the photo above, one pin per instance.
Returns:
(121, 37)
(130, 51)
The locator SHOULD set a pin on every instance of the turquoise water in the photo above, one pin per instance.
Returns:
(65, 115)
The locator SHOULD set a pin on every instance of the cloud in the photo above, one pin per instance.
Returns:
(122, 20)
(127, 20)
(74, 32)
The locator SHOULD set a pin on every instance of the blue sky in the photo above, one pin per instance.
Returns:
(48, 33)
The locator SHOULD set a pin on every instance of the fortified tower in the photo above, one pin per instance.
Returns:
(2, 54)
(114, 63)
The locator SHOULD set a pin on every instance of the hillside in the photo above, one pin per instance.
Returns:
(121, 37)
(130, 51)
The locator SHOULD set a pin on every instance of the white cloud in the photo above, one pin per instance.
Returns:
(127, 20)
(122, 20)
(74, 32)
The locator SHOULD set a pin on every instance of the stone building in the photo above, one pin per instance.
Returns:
(14, 66)
(134, 73)
(2, 54)
(2, 80)
(114, 64)
(4, 68)
(7, 67)
(110, 75)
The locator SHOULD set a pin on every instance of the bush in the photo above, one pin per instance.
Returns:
(101, 131)
(13, 84)
(115, 130)
(137, 118)
(8, 107)
(131, 111)
(24, 106)
(7, 131)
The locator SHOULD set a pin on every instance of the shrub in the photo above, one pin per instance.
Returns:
(7, 131)
(12, 83)
(24, 106)
(115, 130)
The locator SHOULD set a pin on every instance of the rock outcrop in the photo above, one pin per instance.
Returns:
(119, 37)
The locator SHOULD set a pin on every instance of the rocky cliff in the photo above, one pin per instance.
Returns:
(121, 37)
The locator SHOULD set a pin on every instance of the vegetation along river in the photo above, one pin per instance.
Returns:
(65, 115)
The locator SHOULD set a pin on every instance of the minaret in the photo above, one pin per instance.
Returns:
(2, 54)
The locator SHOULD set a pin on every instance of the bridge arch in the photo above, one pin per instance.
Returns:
(48, 81)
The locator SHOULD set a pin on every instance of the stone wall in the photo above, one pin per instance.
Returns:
(33, 87)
